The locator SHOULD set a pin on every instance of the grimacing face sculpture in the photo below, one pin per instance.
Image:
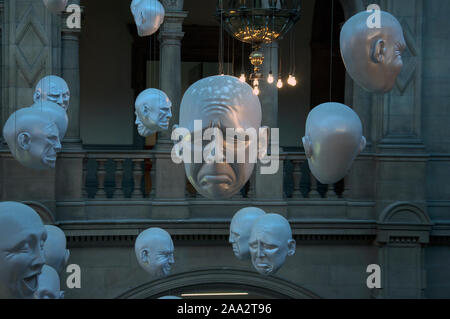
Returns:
(154, 251)
(54, 89)
(270, 243)
(153, 112)
(333, 140)
(55, 113)
(55, 252)
(373, 56)
(49, 285)
(220, 102)
(148, 15)
(55, 6)
(241, 225)
(32, 138)
(22, 236)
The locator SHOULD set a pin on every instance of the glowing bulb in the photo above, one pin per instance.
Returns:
(270, 78)
(292, 81)
(256, 90)
(255, 82)
(279, 83)
(242, 78)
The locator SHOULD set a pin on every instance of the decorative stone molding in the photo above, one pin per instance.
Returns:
(46, 215)
(172, 5)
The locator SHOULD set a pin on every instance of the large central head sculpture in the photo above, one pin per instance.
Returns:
(373, 55)
(33, 138)
(55, 252)
(154, 251)
(220, 102)
(22, 237)
(333, 140)
(54, 89)
(153, 112)
(241, 225)
(270, 243)
(148, 15)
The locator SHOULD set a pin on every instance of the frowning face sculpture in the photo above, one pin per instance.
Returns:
(54, 113)
(220, 102)
(22, 237)
(373, 56)
(148, 15)
(54, 89)
(333, 140)
(153, 112)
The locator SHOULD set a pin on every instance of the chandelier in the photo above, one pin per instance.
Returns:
(258, 22)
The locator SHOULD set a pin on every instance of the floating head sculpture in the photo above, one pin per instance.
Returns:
(270, 243)
(49, 284)
(55, 6)
(372, 55)
(55, 113)
(148, 15)
(55, 252)
(54, 89)
(220, 102)
(153, 112)
(333, 140)
(33, 138)
(241, 225)
(22, 236)
(154, 251)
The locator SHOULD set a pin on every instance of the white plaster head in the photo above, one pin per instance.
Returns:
(241, 225)
(373, 56)
(220, 102)
(49, 284)
(32, 138)
(332, 141)
(148, 15)
(55, 6)
(270, 243)
(154, 251)
(55, 252)
(53, 112)
(153, 112)
(54, 89)
(22, 236)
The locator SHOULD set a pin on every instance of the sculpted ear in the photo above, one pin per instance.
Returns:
(37, 96)
(291, 247)
(145, 255)
(308, 146)
(24, 141)
(66, 257)
(378, 51)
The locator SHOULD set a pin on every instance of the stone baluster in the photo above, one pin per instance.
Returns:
(153, 178)
(297, 176)
(119, 178)
(313, 193)
(137, 177)
(101, 173)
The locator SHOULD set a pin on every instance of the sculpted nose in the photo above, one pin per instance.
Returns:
(58, 145)
(260, 251)
(38, 261)
(171, 259)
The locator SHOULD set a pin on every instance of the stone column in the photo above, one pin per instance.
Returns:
(70, 69)
(169, 201)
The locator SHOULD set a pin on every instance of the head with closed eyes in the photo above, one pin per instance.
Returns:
(220, 102)
(373, 56)
(154, 251)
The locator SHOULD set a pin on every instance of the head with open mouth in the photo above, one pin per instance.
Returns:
(240, 228)
(270, 243)
(22, 237)
(153, 112)
(154, 251)
(33, 138)
(221, 103)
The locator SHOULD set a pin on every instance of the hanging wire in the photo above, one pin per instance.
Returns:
(331, 48)
(221, 39)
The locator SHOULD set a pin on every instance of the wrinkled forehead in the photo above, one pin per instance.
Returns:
(53, 85)
(20, 223)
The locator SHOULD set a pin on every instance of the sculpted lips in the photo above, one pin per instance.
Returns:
(216, 174)
(30, 284)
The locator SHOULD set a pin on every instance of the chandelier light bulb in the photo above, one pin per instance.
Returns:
(292, 81)
(242, 78)
(279, 83)
(270, 78)
(255, 82)
(256, 90)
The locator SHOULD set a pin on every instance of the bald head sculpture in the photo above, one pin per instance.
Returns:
(49, 284)
(32, 138)
(270, 243)
(148, 15)
(153, 112)
(220, 102)
(54, 89)
(241, 225)
(154, 251)
(333, 140)
(22, 236)
(55, 252)
(372, 55)
(55, 113)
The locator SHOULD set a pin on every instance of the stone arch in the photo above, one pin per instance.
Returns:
(238, 277)
(46, 215)
(405, 213)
